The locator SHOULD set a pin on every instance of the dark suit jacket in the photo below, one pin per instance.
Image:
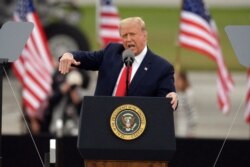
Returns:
(154, 77)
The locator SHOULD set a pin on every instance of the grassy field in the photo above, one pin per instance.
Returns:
(163, 24)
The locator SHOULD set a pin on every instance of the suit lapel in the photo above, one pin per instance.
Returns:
(141, 72)
(115, 72)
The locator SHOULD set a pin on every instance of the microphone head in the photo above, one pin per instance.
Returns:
(128, 57)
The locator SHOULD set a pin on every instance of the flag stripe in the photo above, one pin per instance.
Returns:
(114, 21)
(41, 72)
(199, 32)
(199, 37)
(109, 33)
(103, 14)
(188, 40)
(108, 26)
(195, 20)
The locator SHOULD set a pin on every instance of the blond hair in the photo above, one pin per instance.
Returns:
(128, 20)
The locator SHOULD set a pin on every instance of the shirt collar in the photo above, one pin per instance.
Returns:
(140, 57)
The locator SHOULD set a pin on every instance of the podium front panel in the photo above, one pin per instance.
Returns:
(96, 139)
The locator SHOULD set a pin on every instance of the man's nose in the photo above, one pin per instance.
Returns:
(129, 38)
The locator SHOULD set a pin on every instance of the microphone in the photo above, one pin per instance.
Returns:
(128, 57)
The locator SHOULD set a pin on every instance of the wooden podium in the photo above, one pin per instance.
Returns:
(126, 132)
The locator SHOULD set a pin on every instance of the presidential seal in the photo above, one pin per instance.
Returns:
(128, 122)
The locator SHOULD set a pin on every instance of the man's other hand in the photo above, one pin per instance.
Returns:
(174, 100)
(66, 61)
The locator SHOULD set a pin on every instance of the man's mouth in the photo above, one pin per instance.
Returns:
(131, 46)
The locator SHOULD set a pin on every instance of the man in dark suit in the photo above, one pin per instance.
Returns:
(151, 75)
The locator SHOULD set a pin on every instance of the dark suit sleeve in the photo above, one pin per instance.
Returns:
(89, 60)
(166, 82)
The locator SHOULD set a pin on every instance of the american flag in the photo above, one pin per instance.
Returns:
(34, 66)
(107, 22)
(247, 112)
(198, 32)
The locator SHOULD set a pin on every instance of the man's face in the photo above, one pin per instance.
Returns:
(133, 37)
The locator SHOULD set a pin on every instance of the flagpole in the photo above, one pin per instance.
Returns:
(178, 59)
(97, 7)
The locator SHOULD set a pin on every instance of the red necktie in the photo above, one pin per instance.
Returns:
(121, 87)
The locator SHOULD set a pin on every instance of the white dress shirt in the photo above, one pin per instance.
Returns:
(137, 62)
